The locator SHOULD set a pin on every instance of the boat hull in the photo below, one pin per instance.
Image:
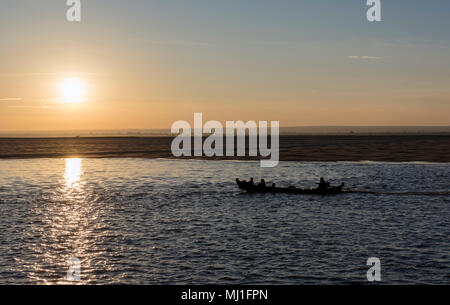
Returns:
(249, 188)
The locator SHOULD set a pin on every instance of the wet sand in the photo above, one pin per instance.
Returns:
(398, 148)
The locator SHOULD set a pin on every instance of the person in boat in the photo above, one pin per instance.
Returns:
(323, 185)
(262, 183)
(239, 182)
(251, 183)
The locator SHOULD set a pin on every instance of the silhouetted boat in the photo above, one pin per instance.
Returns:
(251, 188)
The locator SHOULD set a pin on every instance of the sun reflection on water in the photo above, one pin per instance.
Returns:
(66, 230)
(73, 172)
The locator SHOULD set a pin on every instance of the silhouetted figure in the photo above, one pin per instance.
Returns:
(273, 185)
(252, 183)
(262, 183)
(323, 184)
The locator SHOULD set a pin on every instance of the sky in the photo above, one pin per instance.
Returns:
(148, 63)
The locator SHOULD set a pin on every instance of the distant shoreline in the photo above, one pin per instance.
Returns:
(384, 134)
(285, 131)
(390, 148)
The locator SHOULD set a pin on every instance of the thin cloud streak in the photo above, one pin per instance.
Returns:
(181, 43)
(64, 101)
(33, 74)
(11, 99)
(30, 107)
(363, 57)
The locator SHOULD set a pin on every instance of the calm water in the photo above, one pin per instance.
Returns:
(141, 221)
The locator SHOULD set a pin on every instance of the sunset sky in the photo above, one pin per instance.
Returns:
(144, 64)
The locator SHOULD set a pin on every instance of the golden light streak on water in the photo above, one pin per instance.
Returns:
(73, 172)
(67, 219)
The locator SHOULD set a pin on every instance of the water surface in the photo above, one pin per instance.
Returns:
(141, 221)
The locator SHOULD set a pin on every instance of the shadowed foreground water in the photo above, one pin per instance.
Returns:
(141, 221)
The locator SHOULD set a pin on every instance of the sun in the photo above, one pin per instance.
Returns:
(72, 90)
